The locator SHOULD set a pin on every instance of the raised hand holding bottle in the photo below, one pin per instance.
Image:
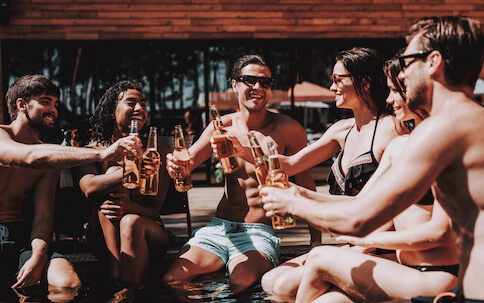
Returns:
(150, 166)
(131, 173)
(278, 178)
(181, 153)
(261, 165)
(225, 148)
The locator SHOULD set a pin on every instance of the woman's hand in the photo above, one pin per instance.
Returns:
(278, 201)
(177, 169)
(117, 205)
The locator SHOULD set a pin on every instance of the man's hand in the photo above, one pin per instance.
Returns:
(278, 201)
(241, 151)
(127, 145)
(177, 169)
(31, 273)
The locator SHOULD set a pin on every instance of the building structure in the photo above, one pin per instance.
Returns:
(198, 21)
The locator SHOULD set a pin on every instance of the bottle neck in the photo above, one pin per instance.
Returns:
(152, 140)
(179, 141)
(133, 128)
(257, 151)
(217, 124)
(274, 163)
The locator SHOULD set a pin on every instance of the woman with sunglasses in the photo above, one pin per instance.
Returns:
(427, 258)
(359, 84)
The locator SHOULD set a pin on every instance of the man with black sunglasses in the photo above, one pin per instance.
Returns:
(440, 66)
(240, 236)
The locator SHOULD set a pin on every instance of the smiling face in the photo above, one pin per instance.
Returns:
(344, 91)
(255, 97)
(131, 106)
(41, 111)
(399, 105)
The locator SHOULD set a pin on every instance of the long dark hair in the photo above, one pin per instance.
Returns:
(366, 67)
(103, 120)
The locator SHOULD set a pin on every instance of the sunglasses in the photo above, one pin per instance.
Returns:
(420, 55)
(250, 81)
(336, 78)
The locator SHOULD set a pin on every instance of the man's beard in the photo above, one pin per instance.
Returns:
(37, 124)
(418, 99)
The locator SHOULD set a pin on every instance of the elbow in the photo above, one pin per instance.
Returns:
(87, 189)
(355, 226)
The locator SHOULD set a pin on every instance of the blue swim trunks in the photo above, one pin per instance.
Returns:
(228, 239)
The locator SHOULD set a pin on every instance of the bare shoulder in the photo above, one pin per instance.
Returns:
(5, 132)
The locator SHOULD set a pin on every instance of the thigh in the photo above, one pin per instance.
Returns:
(193, 261)
(366, 277)
(250, 265)
(153, 231)
(333, 296)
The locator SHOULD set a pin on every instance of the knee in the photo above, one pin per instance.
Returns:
(267, 281)
(61, 274)
(284, 285)
(239, 284)
(130, 224)
(321, 258)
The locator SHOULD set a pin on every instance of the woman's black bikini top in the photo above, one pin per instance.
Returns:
(359, 172)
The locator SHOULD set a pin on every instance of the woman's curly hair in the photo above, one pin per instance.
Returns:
(103, 120)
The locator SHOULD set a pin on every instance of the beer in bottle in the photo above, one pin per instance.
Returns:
(278, 178)
(181, 153)
(149, 167)
(261, 165)
(225, 148)
(131, 173)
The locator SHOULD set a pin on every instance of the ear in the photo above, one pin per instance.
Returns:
(366, 83)
(435, 62)
(234, 86)
(21, 103)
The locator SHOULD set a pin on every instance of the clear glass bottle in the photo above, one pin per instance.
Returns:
(181, 153)
(131, 173)
(225, 148)
(149, 167)
(261, 165)
(278, 178)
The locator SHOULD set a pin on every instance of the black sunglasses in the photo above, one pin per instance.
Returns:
(250, 81)
(419, 55)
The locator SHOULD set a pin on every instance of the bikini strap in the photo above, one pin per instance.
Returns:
(374, 133)
(349, 132)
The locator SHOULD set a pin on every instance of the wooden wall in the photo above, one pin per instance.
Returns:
(206, 19)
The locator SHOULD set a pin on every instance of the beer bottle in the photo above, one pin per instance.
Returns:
(261, 166)
(181, 153)
(149, 167)
(278, 178)
(131, 173)
(225, 148)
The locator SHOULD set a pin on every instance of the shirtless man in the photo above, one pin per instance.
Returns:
(27, 165)
(240, 236)
(440, 67)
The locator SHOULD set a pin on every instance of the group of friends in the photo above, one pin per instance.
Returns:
(406, 186)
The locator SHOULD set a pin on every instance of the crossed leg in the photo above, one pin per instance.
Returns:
(365, 277)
